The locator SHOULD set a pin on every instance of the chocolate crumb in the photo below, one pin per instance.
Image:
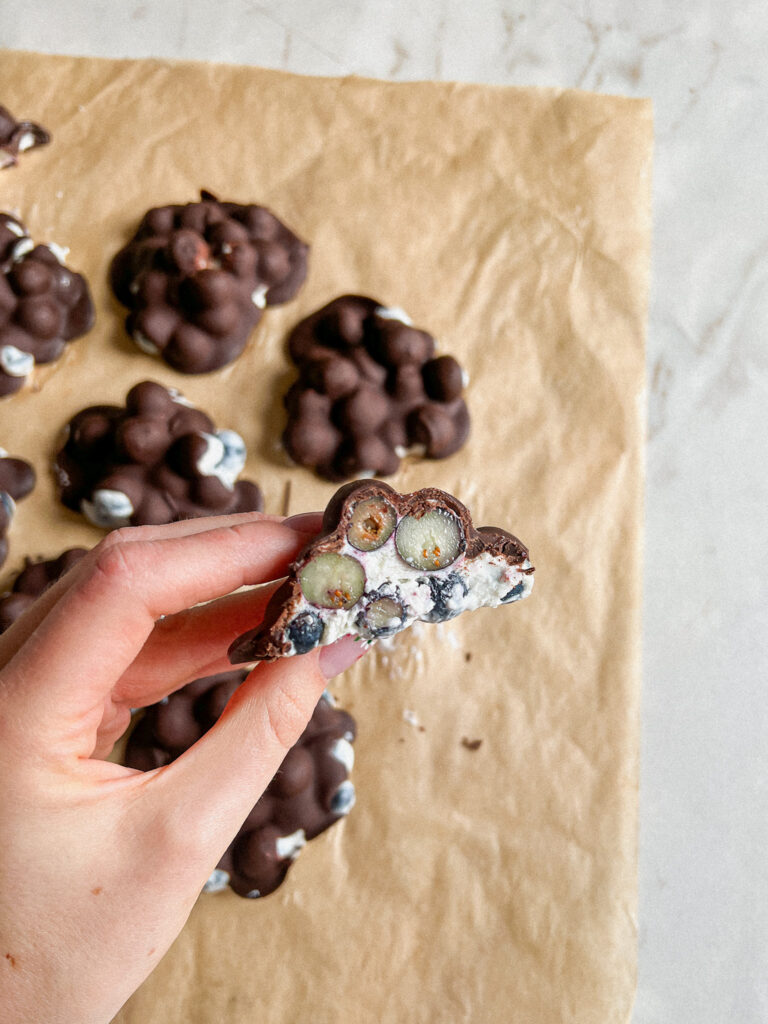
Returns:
(468, 656)
(471, 744)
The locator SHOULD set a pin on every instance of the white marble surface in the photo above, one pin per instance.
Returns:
(703, 921)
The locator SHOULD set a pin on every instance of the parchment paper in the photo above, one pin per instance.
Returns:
(495, 885)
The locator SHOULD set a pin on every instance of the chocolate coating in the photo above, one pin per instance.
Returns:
(33, 580)
(369, 388)
(18, 137)
(17, 478)
(155, 461)
(310, 791)
(196, 279)
(285, 614)
(43, 304)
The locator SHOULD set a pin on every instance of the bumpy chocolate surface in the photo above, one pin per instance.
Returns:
(196, 279)
(310, 792)
(43, 304)
(33, 580)
(370, 391)
(17, 478)
(155, 461)
(18, 137)
(382, 561)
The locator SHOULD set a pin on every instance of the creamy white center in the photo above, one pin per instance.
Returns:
(292, 845)
(224, 457)
(217, 881)
(15, 362)
(108, 508)
(145, 344)
(483, 582)
(393, 313)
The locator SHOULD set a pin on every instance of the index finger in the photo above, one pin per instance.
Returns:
(59, 678)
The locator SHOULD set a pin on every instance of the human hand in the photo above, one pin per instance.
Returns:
(100, 864)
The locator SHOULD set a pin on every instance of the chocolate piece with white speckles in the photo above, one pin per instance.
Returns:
(370, 391)
(196, 279)
(18, 137)
(383, 561)
(155, 461)
(43, 304)
(17, 478)
(310, 792)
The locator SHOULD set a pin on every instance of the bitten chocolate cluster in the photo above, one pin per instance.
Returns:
(382, 561)
(33, 580)
(17, 478)
(155, 461)
(17, 137)
(43, 304)
(197, 278)
(310, 792)
(370, 391)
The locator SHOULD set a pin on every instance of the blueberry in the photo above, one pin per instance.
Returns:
(447, 594)
(383, 614)
(514, 594)
(305, 631)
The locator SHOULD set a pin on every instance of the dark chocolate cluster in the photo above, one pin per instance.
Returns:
(197, 278)
(370, 391)
(18, 137)
(310, 792)
(17, 478)
(33, 580)
(43, 304)
(157, 460)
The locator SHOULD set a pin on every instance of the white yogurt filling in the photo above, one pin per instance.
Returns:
(224, 457)
(8, 503)
(108, 508)
(487, 579)
(217, 881)
(289, 847)
(15, 362)
(393, 313)
(145, 344)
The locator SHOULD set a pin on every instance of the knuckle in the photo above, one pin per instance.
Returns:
(112, 563)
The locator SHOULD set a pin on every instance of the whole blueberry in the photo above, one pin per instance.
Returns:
(305, 631)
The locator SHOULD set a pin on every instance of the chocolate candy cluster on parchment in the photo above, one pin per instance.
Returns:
(157, 460)
(197, 278)
(17, 478)
(382, 561)
(370, 391)
(310, 792)
(17, 137)
(43, 304)
(33, 580)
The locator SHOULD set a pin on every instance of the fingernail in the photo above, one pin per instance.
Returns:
(306, 522)
(338, 656)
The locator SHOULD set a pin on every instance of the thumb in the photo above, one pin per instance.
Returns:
(206, 794)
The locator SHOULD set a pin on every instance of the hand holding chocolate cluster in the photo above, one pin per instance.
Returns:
(43, 304)
(382, 561)
(17, 137)
(370, 391)
(196, 279)
(33, 580)
(155, 461)
(310, 791)
(17, 478)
